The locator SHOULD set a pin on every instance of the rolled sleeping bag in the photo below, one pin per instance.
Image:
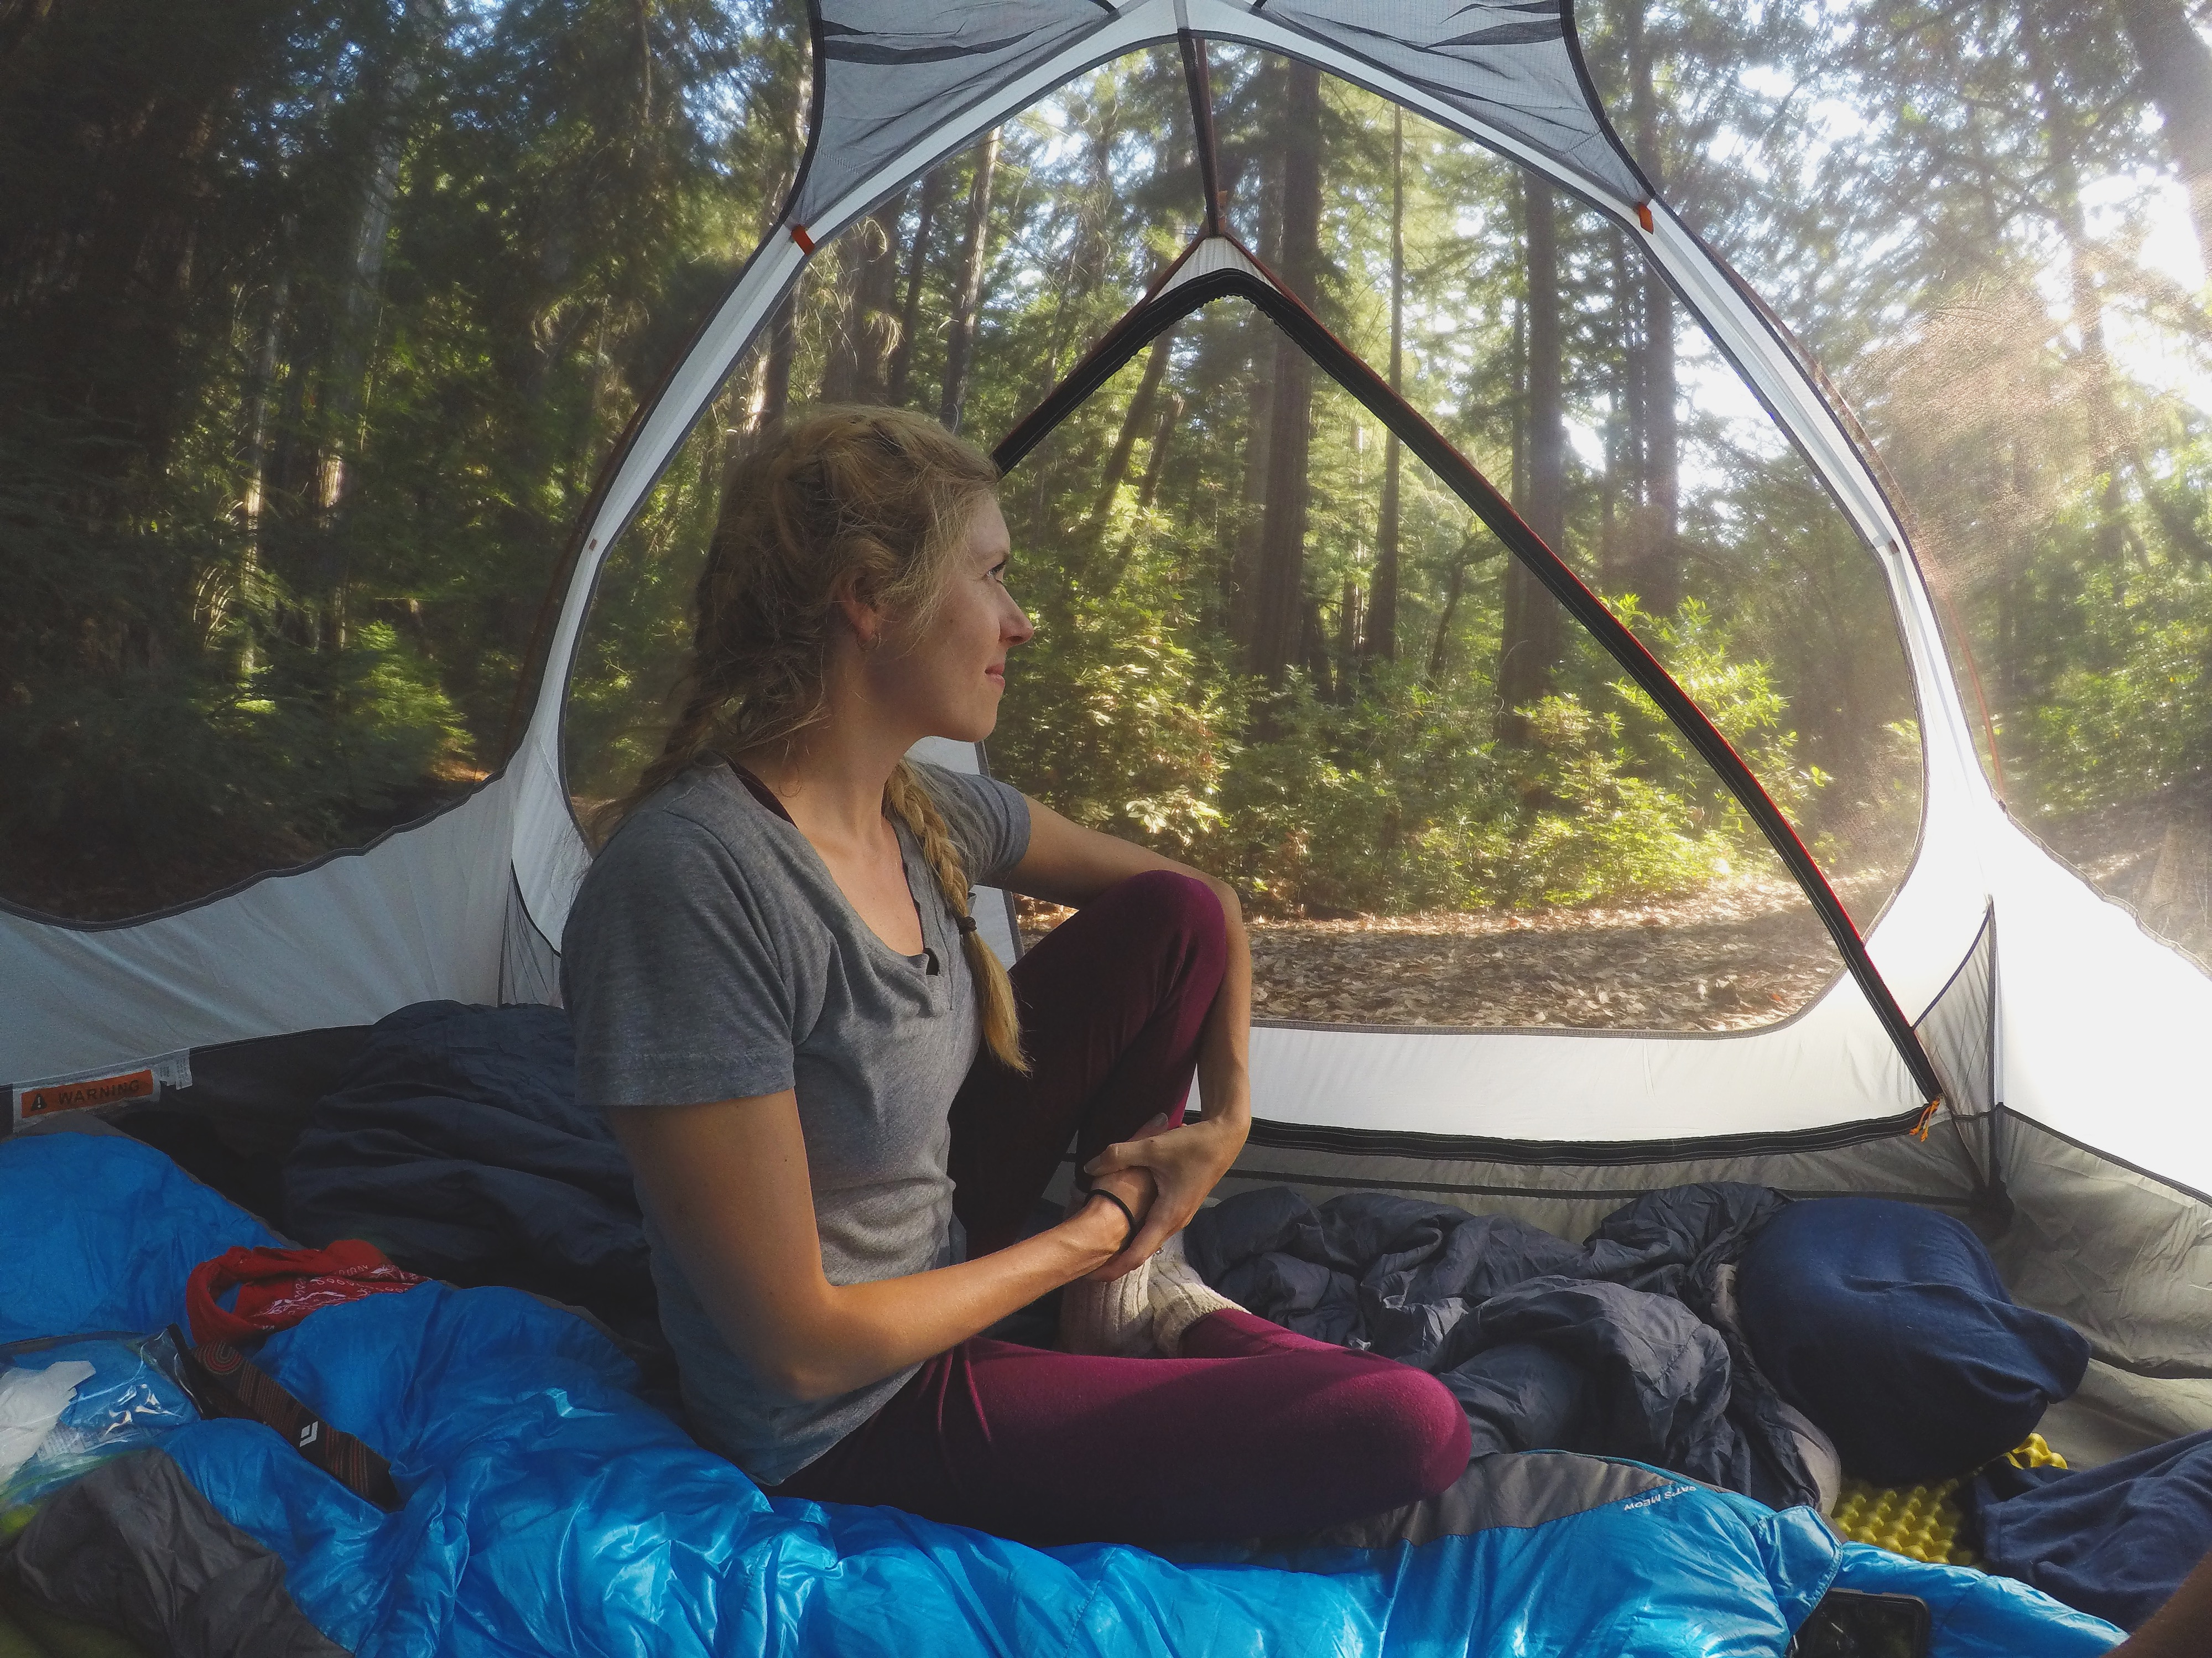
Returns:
(1887, 1324)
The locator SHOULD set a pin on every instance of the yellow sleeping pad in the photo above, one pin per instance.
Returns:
(1922, 1521)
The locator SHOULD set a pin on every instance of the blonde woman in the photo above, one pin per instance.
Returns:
(840, 1108)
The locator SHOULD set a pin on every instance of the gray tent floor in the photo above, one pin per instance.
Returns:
(2116, 1414)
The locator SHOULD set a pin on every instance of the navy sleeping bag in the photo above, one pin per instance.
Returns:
(1887, 1325)
(2115, 1541)
(456, 1144)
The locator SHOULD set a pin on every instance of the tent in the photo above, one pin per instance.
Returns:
(2004, 1041)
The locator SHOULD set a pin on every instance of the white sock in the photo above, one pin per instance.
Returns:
(1112, 1320)
(1180, 1297)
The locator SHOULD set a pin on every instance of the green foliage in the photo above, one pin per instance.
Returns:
(2133, 713)
(319, 319)
(1406, 799)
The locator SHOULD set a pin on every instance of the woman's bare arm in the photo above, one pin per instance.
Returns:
(1067, 864)
(728, 1183)
(2182, 1628)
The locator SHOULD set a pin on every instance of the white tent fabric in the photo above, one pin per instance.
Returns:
(2096, 1020)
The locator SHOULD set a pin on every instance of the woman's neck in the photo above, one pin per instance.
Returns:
(832, 780)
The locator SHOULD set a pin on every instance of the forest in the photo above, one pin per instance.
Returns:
(319, 318)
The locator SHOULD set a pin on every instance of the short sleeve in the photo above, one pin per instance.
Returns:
(674, 984)
(989, 821)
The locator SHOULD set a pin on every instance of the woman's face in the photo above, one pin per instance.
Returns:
(949, 678)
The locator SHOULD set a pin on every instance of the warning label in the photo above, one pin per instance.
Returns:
(74, 1097)
(88, 1090)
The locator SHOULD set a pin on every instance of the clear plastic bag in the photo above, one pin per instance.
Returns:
(130, 1398)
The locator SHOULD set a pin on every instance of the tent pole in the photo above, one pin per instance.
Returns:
(1198, 77)
(1169, 304)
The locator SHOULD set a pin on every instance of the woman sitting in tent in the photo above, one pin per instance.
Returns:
(842, 1108)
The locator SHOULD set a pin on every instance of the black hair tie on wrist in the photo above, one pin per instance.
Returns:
(1127, 1212)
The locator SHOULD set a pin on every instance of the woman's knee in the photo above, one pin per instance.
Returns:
(1168, 905)
(1183, 902)
(1423, 1440)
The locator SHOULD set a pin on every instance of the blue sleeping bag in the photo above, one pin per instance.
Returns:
(548, 1511)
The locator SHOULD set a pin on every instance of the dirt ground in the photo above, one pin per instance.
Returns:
(1735, 956)
(1732, 957)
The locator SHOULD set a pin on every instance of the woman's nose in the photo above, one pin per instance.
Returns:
(1019, 630)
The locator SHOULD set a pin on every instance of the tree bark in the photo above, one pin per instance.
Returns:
(1530, 638)
(772, 398)
(1242, 594)
(960, 345)
(2089, 306)
(1453, 589)
(1313, 649)
(1655, 557)
(841, 363)
(1133, 421)
(1170, 413)
(2177, 67)
(917, 265)
(866, 332)
(257, 427)
(1381, 643)
(361, 292)
(1281, 574)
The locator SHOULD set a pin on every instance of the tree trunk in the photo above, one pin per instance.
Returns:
(960, 344)
(359, 293)
(1382, 634)
(2177, 67)
(1313, 649)
(841, 363)
(1171, 414)
(782, 351)
(1243, 573)
(257, 426)
(2089, 306)
(1530, 639)
(772, 394)
(1133, 421)
(1624, 426)
(862, 324)
(1659, 582)
(1654, 563)
(1453, 589)
(917, 265)
(1281, 573)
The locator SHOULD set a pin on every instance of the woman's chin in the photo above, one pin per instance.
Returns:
(968, 728)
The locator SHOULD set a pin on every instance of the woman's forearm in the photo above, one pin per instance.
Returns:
(728, 1183)
(1225, 1077)
(875, 1330)
(853, 1334)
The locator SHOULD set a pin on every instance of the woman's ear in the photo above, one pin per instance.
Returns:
(862, 615)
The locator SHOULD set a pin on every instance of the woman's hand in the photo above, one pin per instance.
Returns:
(1185, 1163)
(1137, 1189)
(728, 1183)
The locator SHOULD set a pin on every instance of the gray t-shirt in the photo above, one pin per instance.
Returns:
(710, 956)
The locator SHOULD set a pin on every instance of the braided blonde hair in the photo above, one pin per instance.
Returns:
(876, 497)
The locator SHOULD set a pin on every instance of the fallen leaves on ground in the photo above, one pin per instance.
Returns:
(1735, 955)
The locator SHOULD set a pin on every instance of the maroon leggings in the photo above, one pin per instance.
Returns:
(1256, 1431)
